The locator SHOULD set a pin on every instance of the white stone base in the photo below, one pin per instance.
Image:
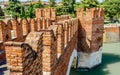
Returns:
(46, 73)
(89, 60)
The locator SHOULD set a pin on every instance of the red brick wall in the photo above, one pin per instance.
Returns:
(47, 13)
(112, 34)
(25, 58)
(43, 46)
(21, 28)
(90, 29)
(17, 30)
(48, 47)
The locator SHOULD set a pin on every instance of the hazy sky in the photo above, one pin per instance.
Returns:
(44, 0)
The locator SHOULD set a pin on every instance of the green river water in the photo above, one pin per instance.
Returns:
(110, 62)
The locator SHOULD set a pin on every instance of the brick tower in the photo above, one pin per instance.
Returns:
(90, 37)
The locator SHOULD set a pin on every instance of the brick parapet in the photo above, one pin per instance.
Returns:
(48, 46)
(17, 30)
(92, 13)
(21, 57)
(91, 22)
(111, 33)
(47, 13)
(63, 18)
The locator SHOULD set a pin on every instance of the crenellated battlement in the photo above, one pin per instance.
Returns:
(43, 45)
(17, 30)
(47, 46)
(47, 13)
(91, 23)
(92, 13)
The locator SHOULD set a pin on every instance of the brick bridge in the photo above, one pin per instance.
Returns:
(49, 44)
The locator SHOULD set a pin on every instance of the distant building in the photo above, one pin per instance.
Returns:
(5, 4)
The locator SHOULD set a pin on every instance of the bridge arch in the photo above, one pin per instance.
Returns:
(73, 55)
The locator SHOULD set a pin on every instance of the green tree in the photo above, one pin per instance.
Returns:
(112, 9)
(30, 12)
(52, 3)
(23, 13)
(14, 8)
(89, 3)
(72, 4)
(67, 7)
(38, 4)
(1, 12)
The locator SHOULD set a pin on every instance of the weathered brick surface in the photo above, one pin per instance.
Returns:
(17, 30)
(25, 26)
(4, 32)
(47, 13)
(91, 29)
(24, 59)
(63, 18)
(49, 51)
(112, 34)
(33, 26)
(62, 65)
(44, 45)
(14, 30)
(60, 40)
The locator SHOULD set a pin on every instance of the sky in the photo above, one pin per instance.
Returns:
(45, 0)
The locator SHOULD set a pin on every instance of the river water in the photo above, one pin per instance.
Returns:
(110, 62)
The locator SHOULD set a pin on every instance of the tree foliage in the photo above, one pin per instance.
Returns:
(14, 8)
(112, 8)
(30, 12)
(38, 4)
(1, 12)
(23, 13)
(52, 3)
(89, 4)
(67, 7)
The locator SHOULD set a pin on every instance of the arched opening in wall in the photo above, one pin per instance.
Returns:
(72, 61)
